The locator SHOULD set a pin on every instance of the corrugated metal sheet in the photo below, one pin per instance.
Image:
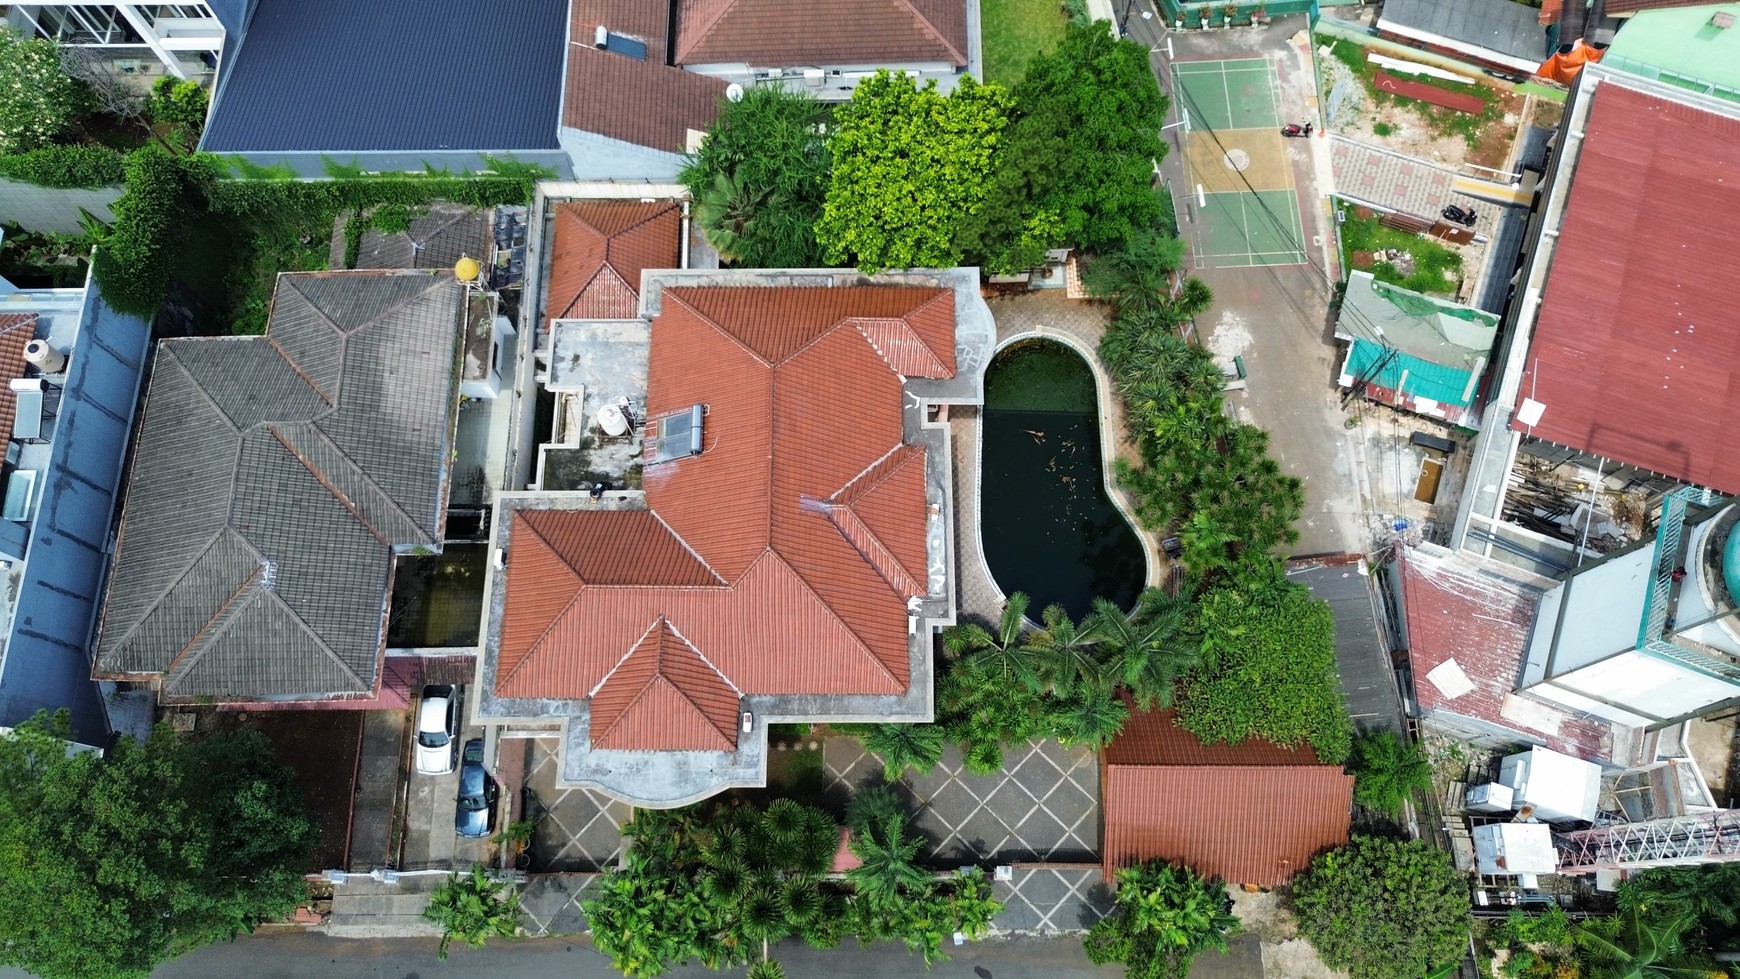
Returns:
(779, 33)
(1636, 350)
(340, 77)
(599, 250)
(1246, 824)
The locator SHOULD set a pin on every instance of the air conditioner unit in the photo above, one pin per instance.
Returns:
(775, 74)
(814, 77)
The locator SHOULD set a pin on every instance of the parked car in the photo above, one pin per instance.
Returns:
(475, 816)
(437, 731)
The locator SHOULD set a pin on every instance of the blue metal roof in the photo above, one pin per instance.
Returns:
(339, 76)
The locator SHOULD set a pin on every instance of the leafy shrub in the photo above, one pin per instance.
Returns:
(1163, 916)
(471, 908)
(65, 166)
(760, 177)
(1387, 771)
(1268, 671)
(143, 249)
(181, 105)
(1383, 908)
(41, 100)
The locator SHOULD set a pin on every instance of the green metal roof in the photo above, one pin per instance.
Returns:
(1681, 46)
(1425, 379)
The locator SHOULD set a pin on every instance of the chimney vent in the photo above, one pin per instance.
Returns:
(1722, 19)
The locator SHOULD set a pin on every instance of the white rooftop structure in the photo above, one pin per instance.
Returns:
(1515, 849)
(1552, 787)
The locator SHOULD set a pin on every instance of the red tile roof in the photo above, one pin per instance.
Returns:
(647, 103)
(1457, 609)
(665, 696)
(1550, 10)
(1253, 813)
(16, 332)
(791, 33)
(1636, 349)
(599, 250)
(784, 554)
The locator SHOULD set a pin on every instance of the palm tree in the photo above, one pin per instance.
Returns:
(1193, 299)
(1634, 946)
(1149, 650)
(766, 969)
(1067, 664)
(764, 916)
(1092, 720)
(471, 908)
(1004, 654)
(889, 868)
(902, 746)
(725, 210)
(1386, 771)
(872, 805)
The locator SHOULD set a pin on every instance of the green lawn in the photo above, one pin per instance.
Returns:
(1016, 30)
(1436, 268)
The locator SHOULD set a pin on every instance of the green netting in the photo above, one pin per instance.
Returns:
(1421, 307)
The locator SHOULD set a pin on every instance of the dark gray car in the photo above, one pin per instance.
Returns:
(478, 793)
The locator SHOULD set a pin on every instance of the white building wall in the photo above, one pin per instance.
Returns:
(1636, 689)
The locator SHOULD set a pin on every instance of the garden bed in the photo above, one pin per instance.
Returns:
(1417, 128)
(322, 749)
(1397, 257)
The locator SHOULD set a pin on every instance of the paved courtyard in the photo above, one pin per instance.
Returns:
(1044, 805)
(1049, 900)
(577, 829)
(550, 903)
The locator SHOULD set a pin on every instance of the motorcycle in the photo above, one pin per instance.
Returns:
(1296, 129)
(1464, 217)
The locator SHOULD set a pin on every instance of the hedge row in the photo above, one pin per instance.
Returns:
(65, 166)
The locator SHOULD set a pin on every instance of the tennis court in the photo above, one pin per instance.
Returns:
(1241, 186)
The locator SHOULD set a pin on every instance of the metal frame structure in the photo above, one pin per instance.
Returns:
(1702, 838)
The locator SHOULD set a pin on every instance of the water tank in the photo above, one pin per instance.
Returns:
(813, 77)
(38, 354)
(611, 419)
(466, 269)
(601, 37)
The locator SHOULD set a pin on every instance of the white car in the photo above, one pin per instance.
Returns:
(437, 731)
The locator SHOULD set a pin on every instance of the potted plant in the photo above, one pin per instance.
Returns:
(1258, 14)
(1205, 18)
(514, 840)
(1227, 14)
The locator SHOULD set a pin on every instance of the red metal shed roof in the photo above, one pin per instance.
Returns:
(1253, 813)
(785, 552)
(1636, 350)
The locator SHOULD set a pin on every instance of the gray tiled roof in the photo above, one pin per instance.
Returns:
(1500, 25)
(342, 76)
(273, 479)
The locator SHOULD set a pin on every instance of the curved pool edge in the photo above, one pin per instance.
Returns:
(1108, 458)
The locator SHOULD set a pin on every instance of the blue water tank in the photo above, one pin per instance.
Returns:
(1731, 564)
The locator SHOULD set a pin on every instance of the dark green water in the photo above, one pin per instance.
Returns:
(1047, 526)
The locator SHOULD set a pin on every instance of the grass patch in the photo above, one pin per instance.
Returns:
(1436, 268)
(1016, 30)
(1437, 119)
(1382, 129)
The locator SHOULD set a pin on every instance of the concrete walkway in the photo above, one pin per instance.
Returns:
(373, 842)
(1387, 179)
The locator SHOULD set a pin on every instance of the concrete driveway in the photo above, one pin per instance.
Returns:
(429, 804)
(1276, 318)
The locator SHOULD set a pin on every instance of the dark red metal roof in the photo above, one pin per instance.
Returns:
(1636, 349)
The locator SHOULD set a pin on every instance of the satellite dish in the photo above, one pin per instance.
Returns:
(734, 92)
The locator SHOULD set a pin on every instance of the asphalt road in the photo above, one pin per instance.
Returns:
(302, 955)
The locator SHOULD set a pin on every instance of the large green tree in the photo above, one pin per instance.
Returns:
(1387, 771)
(1708, 894)
(113, 863)
(910, 164)
(1382, 908)
(1163, 916)
(1637, 945)
(1267, 670)
(39, 101)
(1076, 164)
(760, 177)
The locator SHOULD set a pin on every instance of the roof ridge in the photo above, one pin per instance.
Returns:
(555, 620)
(931, 29)
(672, 626)
(632, 647)
(849, 493)
(325, 481)
(436, 280)
(369, 479)
(676, 294)
(199, 638)
(194, 381)
(687, 41)
(320, 641)
(278, 348)
(687, 547)
(829, 611)
(875, 553)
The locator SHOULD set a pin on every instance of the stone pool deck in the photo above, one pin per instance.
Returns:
(1080, 325)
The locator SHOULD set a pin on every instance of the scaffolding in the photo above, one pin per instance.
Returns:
(1702, 838)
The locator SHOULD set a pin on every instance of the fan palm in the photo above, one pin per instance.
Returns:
(872, 806)
(724, 210)
(903, 746)
(1148, 651)
(1004, 653)
(766, 969)
(764, 916)
(1091, 721)
(1387, 771)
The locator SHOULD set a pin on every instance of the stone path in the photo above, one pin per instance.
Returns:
(579, 829)
(550, 903)
(1043, 805)
(1048, 900)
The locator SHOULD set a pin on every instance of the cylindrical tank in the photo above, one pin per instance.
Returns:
(612, 421)
(1731, 565)
(38, 354)
(466, 269)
